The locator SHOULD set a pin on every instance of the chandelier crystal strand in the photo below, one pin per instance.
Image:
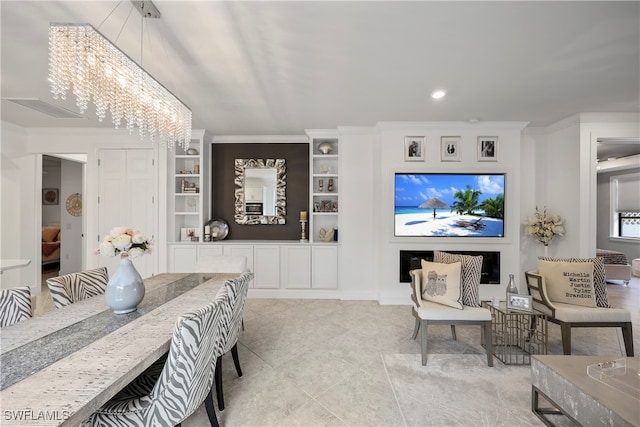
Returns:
(84, 62)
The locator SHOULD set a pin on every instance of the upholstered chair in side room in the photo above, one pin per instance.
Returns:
(238, 289)
(15, 305)
(176, 385)
(76, 287)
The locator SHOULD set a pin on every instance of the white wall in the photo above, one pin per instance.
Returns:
(359, 153)
(19, 218)
(71, 255)
(604, 226)
(553, 167)
(562, 192)
(570, 171)
(51, 179)
(21, 177)
(391, 160)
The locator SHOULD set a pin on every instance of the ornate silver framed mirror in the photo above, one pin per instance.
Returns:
(260, 191)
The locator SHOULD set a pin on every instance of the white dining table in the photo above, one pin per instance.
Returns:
(112, 350)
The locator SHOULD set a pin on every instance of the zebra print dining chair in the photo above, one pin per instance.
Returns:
(238, 289)
(76, 287)
(15, 305)
(176, 385)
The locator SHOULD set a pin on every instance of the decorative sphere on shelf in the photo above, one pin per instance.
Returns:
(325, 147)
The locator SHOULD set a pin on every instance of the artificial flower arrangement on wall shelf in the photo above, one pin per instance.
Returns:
(544, 227)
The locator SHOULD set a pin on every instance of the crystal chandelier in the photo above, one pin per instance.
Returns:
(84, 61)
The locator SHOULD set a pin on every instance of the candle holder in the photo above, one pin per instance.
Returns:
(303, 230)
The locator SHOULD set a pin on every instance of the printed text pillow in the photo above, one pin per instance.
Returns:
(599, 277)
(569, 282)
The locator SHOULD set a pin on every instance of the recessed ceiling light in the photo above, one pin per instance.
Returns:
(438, 94)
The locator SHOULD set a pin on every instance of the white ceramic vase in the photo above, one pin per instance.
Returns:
(125, 289)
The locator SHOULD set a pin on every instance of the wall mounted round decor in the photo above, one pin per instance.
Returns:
(74, 204)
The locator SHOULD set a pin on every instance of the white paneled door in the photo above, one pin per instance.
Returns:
(127, 197)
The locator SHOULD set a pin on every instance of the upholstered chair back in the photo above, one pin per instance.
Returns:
(76, 287)
(238, 289)
(15, 305)
(186, 378)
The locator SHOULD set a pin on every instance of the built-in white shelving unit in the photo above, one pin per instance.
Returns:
(189, 189)
(324, 185)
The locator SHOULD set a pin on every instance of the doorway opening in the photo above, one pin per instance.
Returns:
(63, 225)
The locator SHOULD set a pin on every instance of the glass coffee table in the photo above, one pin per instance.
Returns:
(517, 334)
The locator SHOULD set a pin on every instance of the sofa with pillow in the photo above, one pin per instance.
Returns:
(50, 244)
(572, 292)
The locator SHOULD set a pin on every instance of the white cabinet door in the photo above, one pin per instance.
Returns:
(141, 188)
(182, 258)
(242, 250)
(324, 267)
(296, 267)
(207, 253)
(266, 266)
(126, 198)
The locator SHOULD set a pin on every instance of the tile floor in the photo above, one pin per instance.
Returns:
(353, 363)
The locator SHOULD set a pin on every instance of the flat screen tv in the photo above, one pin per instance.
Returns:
(449, 204)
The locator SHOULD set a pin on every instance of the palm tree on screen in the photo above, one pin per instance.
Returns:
(494, 208)
(466, 201)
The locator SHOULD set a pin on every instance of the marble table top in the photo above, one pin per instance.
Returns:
(60, 367)
(566, 381)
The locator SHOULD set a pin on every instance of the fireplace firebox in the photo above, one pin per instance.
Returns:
(410, 260)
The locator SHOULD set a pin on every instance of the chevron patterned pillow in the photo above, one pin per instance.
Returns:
(471, 271)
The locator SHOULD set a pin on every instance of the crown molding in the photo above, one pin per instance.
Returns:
(260, 139)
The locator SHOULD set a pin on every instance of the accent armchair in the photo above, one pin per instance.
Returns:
(569, 316)
(430, 313)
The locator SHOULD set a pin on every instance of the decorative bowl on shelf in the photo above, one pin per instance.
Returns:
(192, 152)
(325, 147)
(217, 229)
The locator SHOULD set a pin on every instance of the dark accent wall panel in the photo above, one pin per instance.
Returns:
(223, 189)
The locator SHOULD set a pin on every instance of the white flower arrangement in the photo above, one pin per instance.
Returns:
(125, 242)
(544, 226)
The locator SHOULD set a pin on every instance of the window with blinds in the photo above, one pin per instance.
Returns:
(626, 194)
(629, 224)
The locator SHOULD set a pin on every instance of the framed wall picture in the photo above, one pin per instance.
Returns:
(487, 148)
(50, 196)
(189, 235)
(450, 148)
(519, 302)
(414, 148)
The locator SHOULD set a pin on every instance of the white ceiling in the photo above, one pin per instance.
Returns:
(282, 67)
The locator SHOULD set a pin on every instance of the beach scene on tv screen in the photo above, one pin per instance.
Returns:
(449, 205)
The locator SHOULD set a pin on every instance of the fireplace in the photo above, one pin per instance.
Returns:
(410, 260)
